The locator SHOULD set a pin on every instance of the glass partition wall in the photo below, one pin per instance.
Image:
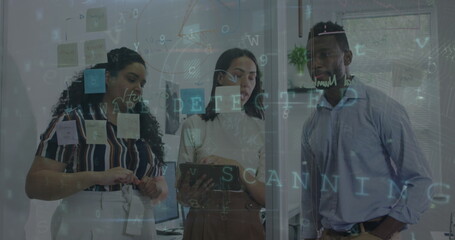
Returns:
(47, 43)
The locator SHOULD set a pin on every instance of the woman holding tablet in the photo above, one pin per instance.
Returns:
(233, 136)
(87, 157)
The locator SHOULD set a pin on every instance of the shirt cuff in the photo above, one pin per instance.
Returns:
(405, 214)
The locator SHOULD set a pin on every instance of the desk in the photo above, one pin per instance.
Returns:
(170, 237)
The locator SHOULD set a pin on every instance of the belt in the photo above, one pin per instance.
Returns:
(358, 228)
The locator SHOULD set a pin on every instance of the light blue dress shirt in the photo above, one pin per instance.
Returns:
(361, 160)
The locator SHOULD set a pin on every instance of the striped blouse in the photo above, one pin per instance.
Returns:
(133, 154)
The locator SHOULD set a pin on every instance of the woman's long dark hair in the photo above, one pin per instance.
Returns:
(117, 59)
(254, 106)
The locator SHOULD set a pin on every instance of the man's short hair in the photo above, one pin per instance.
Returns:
(330, 28)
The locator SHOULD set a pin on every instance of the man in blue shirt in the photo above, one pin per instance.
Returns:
(367, 176)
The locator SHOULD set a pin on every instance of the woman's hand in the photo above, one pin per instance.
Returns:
(117, 175)
(47, 180)
(152, 187)
(194, 195)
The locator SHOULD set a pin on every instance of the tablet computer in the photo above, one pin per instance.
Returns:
(225, 177)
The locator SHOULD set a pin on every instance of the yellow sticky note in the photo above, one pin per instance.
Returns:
(128, 125)
(95, 51)
(227, 99)
(96, 20)
(67, 55)
(95, 131)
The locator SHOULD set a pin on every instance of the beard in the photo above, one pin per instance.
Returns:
(331, 82)
(326, 83)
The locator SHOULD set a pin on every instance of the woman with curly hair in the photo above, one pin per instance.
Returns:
(107, 187)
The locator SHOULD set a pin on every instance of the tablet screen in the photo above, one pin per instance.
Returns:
(225, 177)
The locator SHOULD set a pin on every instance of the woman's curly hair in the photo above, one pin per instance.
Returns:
(74, 96)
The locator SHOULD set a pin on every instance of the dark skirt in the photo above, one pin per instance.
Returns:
(225, 216)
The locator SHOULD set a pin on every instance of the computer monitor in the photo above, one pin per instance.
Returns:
(168, 209)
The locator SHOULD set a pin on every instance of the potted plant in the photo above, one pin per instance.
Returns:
(297, 57)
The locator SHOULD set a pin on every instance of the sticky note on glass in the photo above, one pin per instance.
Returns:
(227, 99)
(67, 55)
(96, 20)
(191, 34)
(67, 132)
(193, 101)
(406, 75)
(95, 51)
(95, 131)
(128, 125)
(94, 81)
